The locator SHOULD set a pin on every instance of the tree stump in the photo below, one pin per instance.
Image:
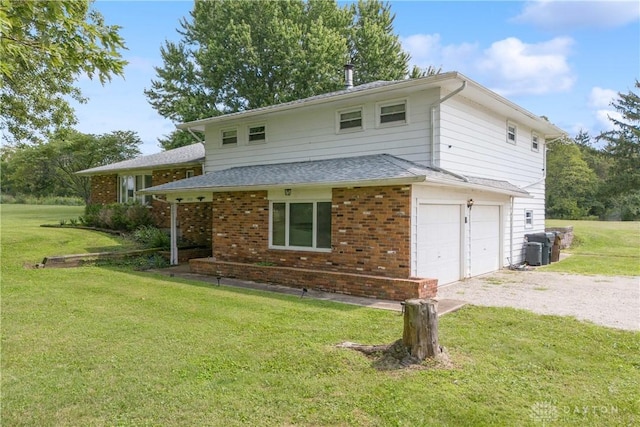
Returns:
(420, 335)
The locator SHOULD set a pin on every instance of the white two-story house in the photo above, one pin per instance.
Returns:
(373, 190)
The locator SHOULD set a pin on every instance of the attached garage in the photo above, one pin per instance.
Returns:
(440, 231)
(454, 242)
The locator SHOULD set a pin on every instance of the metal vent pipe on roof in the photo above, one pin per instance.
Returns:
(348, 76)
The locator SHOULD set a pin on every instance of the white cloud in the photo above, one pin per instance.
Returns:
(599, 97)
(513, 67)
(604, 117)
(509, 66)
(427, 49)
(568, 15)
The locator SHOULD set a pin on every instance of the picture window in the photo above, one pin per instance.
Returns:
(301, 225)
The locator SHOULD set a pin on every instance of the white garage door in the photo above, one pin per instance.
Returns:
(485, 239)
(439, 242)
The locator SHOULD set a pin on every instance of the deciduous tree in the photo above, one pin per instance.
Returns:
(238, 55)
(44, 47)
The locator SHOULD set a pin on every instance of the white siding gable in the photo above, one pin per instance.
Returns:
(312, 133)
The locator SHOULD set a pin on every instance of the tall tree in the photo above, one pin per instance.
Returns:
(571, 186)
(623, 145)
(45, 46)
(238, 55)
(49, 168)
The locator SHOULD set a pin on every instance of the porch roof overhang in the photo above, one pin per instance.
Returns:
(361, 171)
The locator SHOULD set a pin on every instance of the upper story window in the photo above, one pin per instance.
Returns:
(258, 133)
(301, 225)
(528, 218)
(535, 141)
(350, 120)
(229, 137)
(393, 113)
(129, 185)
(512, 133)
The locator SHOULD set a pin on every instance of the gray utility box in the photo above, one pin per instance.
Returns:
(533, 255)
(546, 239)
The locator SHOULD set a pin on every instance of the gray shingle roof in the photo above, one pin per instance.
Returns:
(350, 170)
(189, 154)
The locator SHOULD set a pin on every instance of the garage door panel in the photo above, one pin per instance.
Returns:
(485, 239)
(439, 242)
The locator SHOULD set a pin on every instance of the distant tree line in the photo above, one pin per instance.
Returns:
(598, 177)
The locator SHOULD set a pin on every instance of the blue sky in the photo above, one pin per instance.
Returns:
(564, 60)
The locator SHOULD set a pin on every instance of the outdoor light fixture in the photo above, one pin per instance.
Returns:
(469, 203)
(200, 198)
(218, 276)
(287, 191)
(179, 199)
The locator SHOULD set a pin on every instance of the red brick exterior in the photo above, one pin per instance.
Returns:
(104, 189)
(370, 232)
(370, 253)
(397, 289)
(194, 219)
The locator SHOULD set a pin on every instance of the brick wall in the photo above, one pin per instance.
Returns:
(397, 289)
(370, 232)
(194, 219)
(104, 189)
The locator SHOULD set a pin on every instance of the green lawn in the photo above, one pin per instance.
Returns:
(610, 248)
(95, 346)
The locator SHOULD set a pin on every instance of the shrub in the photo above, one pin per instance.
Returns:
(152, 237)
(118, 216)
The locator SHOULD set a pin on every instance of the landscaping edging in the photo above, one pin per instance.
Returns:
(75, 260)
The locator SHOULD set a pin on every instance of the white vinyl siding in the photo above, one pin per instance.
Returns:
(304, 135)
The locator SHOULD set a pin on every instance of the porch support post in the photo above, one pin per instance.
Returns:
(174, 234)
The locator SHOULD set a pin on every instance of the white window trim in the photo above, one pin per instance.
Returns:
(381, 105)
(135, 197)
(515, 133)
(339, 113)
(535, 136)
(222, 131)
(256, 125)
(526, 215)
(286, 228)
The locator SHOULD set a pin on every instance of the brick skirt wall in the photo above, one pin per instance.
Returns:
(390, 288)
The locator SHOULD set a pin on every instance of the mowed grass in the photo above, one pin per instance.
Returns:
(609, 248)
(92, 346)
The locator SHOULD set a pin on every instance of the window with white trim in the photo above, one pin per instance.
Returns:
(512, 133)
(394, 113)
(229, 137)
(535, 144)
(257, 134)
(528, 218)
(129, 185)
(350, 120)
(301, 225)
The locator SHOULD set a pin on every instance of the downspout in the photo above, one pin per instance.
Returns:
(511, 231)
(433, 121)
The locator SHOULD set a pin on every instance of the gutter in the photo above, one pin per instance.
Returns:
(433, 121)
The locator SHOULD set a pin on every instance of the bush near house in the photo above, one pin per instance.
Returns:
(118, 216)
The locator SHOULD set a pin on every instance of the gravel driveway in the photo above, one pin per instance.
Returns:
(605, 300)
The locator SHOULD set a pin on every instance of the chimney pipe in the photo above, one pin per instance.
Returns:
(348, 76)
